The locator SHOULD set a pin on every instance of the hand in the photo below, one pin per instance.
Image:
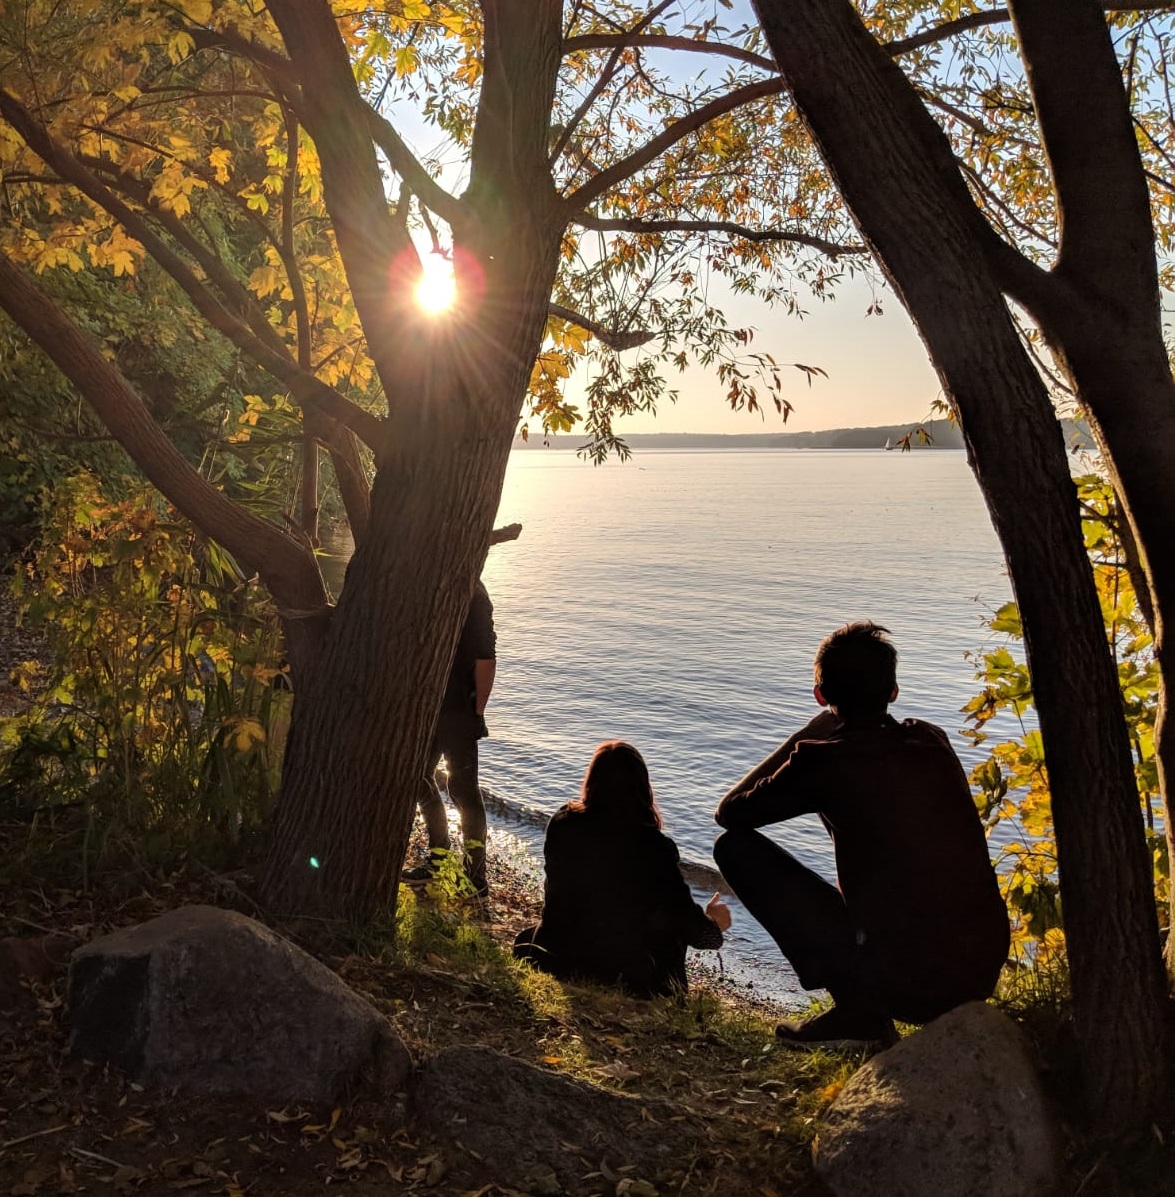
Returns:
(717, 910)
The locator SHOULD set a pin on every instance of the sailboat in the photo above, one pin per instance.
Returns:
(888, 443)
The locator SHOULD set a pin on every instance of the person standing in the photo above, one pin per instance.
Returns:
(459, 727)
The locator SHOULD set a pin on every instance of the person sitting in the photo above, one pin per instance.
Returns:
(917, 925)
(617, 909)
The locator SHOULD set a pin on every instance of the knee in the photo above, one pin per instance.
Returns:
(468, 800)
(732, 846)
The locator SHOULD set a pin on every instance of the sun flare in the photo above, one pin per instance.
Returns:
(437, 289)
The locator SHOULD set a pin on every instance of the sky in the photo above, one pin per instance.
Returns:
(878, 371)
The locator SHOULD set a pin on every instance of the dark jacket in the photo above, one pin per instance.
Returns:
(617, 909)
(911, 857)
(478, 642)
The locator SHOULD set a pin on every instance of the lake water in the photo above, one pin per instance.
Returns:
(676, 601)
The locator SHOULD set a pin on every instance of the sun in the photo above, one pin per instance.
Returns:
(437, 289)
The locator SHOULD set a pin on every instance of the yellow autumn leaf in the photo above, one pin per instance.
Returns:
(220, 158)
(195, 10)
(179, 46)
(256, 201)
(248, 731)
(265, 280)
(405, 60)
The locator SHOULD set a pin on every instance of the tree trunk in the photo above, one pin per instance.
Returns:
(1100, 308)
(363, 724)
(898, 176)
(1130, 406)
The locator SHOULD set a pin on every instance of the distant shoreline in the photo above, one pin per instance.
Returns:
(943, 435)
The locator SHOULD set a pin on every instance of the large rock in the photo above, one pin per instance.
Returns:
(209, 1001)
(540, 1130)
(955, 1108)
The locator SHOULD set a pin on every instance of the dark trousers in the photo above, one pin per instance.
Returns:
(460, 753)
(804, 914)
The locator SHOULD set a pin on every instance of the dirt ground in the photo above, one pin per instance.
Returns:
(67, 1126)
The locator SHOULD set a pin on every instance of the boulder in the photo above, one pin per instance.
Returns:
(209, 1001)
(542, 1131)
(955, 1108)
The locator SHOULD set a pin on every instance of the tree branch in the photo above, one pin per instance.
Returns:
(303, 386)
(285, 566)
(939, 33)
(240, 302)
(997, 16)
(275, 65)
(1106, 236)
(605, 225)
(616, 340)
(426, 189)
(376, 252)
(380, 129)
(665, 41)
(505, 533)
(354, 488)
(619, 171)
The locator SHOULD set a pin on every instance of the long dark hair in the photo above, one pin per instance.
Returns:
(616, 785)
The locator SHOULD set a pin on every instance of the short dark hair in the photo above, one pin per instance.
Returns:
(617, 786)
(857, 668)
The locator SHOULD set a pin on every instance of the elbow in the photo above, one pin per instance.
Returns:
(726, 814)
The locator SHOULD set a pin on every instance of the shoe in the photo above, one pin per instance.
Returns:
(427, 869)
(838, 1030)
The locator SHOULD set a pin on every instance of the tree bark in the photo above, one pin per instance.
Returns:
(897, 173)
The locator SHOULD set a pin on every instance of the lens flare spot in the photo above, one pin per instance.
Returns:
(314, 862)
(437, 289)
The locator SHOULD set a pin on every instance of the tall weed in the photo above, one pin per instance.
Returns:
(153, 714)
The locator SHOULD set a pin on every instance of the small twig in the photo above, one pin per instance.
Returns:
(52, 1130)
(16, 918)
(93, 1155)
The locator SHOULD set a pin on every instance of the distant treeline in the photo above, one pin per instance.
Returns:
(944, 435)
